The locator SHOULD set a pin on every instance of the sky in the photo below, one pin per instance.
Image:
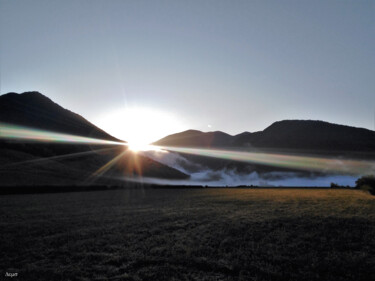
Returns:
(146, 69)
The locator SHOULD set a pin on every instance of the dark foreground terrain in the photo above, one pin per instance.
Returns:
(189, 234)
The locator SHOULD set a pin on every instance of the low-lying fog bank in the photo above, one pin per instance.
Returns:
(200, 175)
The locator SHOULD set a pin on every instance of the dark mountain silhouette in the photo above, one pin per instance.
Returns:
(310, 135)
(288, 134)
(32, 109)
(38, 163)
(194, 138)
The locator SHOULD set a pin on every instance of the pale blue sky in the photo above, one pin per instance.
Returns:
(235, 65)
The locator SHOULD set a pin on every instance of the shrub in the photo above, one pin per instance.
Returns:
(366, 183)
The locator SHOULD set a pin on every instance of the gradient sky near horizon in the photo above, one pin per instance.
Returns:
(232, 66)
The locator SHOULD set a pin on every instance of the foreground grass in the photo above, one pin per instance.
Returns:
(189, 234)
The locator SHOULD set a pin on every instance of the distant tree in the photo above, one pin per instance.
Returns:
(366, 183)
(334, 185)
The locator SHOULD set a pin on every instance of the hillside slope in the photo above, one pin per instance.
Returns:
(32, 109)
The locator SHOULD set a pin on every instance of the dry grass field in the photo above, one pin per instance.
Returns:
(189, 234)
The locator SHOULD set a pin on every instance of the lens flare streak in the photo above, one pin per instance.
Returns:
(59, 157)
(28, 134)
(318, 164)
(107, 166)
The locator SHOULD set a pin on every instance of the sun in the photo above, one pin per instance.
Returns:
(140, 126)
(136, 147)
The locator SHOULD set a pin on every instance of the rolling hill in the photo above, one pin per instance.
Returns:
(194, 138)
(310, 135)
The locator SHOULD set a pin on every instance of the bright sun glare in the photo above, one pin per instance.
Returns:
(142, 147)
(139, 126)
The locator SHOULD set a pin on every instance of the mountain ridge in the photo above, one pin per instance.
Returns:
(284, 134)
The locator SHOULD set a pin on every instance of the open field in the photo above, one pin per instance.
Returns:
(189, 234)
